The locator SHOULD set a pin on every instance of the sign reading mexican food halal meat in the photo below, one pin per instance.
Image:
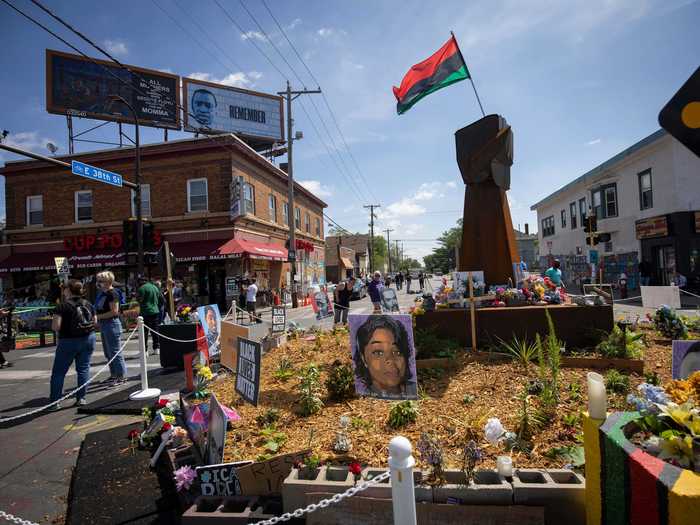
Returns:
(82, 88)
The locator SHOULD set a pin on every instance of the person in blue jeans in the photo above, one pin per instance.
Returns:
(74, 321)
(110, 327)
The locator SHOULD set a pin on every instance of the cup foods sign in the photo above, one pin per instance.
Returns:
(232, 110)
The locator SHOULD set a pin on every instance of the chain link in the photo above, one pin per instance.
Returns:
(337, 498)
(14, 519)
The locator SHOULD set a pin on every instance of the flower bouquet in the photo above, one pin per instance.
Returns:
(184, 313)
(202, 379)
(669, 324)
(669, 422)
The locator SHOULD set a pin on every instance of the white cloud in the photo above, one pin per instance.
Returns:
(116, 47)
(28, 140)
(254, 35)
(405, 207)
(294, 23)
(328, 32)
(166, 70)
(238, 79)
(451, 184)
(593, 142)
(315, 187)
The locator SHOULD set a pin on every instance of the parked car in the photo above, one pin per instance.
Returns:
(438, 273)
(359, 291)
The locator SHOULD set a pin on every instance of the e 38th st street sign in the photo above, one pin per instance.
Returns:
(98, 174)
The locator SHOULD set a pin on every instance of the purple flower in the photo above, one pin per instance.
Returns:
(184, 476)
(653, 394)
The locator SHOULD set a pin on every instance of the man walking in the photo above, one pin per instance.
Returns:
(375, 292)
(408, 282)
(251, 296)
(421, 281)
(150, 302)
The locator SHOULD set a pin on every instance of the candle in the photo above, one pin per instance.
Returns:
(504, 465)
(597, 400)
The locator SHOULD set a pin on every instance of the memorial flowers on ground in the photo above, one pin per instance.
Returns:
(670, 421)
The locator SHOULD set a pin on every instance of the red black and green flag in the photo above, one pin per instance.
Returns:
(445, 67)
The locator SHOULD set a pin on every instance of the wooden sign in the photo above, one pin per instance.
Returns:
(266, 477)
(652, 227)
(230, 332)
(216, 432)
(279, 319)
(248, 370)
(221, 479)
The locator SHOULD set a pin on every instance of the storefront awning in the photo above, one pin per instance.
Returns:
(43, 261)
(347, 263)
(197, 251)
(254, 250)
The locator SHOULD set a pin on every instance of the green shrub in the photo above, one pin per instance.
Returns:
(667, 322)
(520, 349)
(616, 382)
(402, 413)
(430, 344)
(309, 389)
(269, 417)
(273, 439)
(341, 381)
(285, 370)
(652, 378)
(619, 344)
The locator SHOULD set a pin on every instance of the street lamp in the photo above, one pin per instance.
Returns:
(139, 216)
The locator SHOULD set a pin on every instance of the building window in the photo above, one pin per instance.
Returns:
(83, 206)
(307, 223)
(248, 198)
(197, 195)
(145, 201)
(572, 212)
(608, 247)
(646, 200)
(563, 218)
(272, 206)
(582, 210)
(605, 201)
(318, 227)
(285, 213)
(297, 218)
(35, 210)
(548, 226)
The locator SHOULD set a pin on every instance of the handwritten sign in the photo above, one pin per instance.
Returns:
(216, 432)
(266, 477)
(230, 332)
(220, 480)
(248, 370)
(279, 319)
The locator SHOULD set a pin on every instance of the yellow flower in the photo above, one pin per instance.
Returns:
(678, 448)
(678, 390)
(693, 424)
(205, 373)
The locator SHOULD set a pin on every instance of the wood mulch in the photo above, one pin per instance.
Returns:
(495, 387)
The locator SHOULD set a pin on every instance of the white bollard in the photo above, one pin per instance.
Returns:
(145, 392)
(403, 495)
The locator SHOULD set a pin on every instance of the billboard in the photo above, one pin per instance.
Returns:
(77, 86)
(232, 110)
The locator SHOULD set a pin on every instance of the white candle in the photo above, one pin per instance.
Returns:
(504, 465)
(597, 399)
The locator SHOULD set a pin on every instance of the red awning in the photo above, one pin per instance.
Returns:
(197, 251)
(254, 250)
(42, 261)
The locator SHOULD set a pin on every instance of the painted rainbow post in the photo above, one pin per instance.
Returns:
(624, 484)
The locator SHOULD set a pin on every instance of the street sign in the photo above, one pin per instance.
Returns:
(593, 256)
(292, 255)
(98, 174)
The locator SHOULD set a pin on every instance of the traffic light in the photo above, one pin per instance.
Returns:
(148, 240)
(590, 224)
(592, 240)
(151, 237)
(130, 242)
(681, 116)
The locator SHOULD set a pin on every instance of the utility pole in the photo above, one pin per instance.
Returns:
(371, 234)
(398, 254)
(388, 247)
(292, 254)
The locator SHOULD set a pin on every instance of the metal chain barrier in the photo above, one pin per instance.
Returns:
(687, 292)
(41, 409)
(14, 519)
(326, 502)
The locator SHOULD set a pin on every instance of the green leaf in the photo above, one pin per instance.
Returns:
(272, 446)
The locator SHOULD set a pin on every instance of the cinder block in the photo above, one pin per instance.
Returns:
(234, 510)
(383, 490)
(561, 492)
(327, 479)
(488, 488)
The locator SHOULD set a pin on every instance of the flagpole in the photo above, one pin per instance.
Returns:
(470, 75)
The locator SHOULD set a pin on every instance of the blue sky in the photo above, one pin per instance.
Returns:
(577, 80)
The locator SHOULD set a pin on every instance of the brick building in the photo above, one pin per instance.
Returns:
(346, 255)
(188, 195)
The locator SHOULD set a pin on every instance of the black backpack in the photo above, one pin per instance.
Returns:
(82, 322)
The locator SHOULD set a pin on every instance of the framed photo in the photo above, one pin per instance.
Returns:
(321, 305)
(210, 320)
(686, 358)
(383, 355)
(390, 303)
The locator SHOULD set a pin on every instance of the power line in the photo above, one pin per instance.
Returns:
(336, 224)
(325, 99)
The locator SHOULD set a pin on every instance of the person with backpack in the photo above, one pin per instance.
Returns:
(74, 321)
(110, 327)
(151, 301)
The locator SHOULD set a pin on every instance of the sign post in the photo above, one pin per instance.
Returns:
(169, 280)
(62, 268)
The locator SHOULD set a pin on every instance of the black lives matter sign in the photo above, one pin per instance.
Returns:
(248, 371)
(279, 319)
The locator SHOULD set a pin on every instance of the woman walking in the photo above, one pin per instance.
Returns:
(74, 321)
(110, 327)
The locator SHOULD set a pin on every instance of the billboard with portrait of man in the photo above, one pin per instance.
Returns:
(383, 355)
(226, 109)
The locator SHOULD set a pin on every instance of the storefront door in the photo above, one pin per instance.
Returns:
(664, 264)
